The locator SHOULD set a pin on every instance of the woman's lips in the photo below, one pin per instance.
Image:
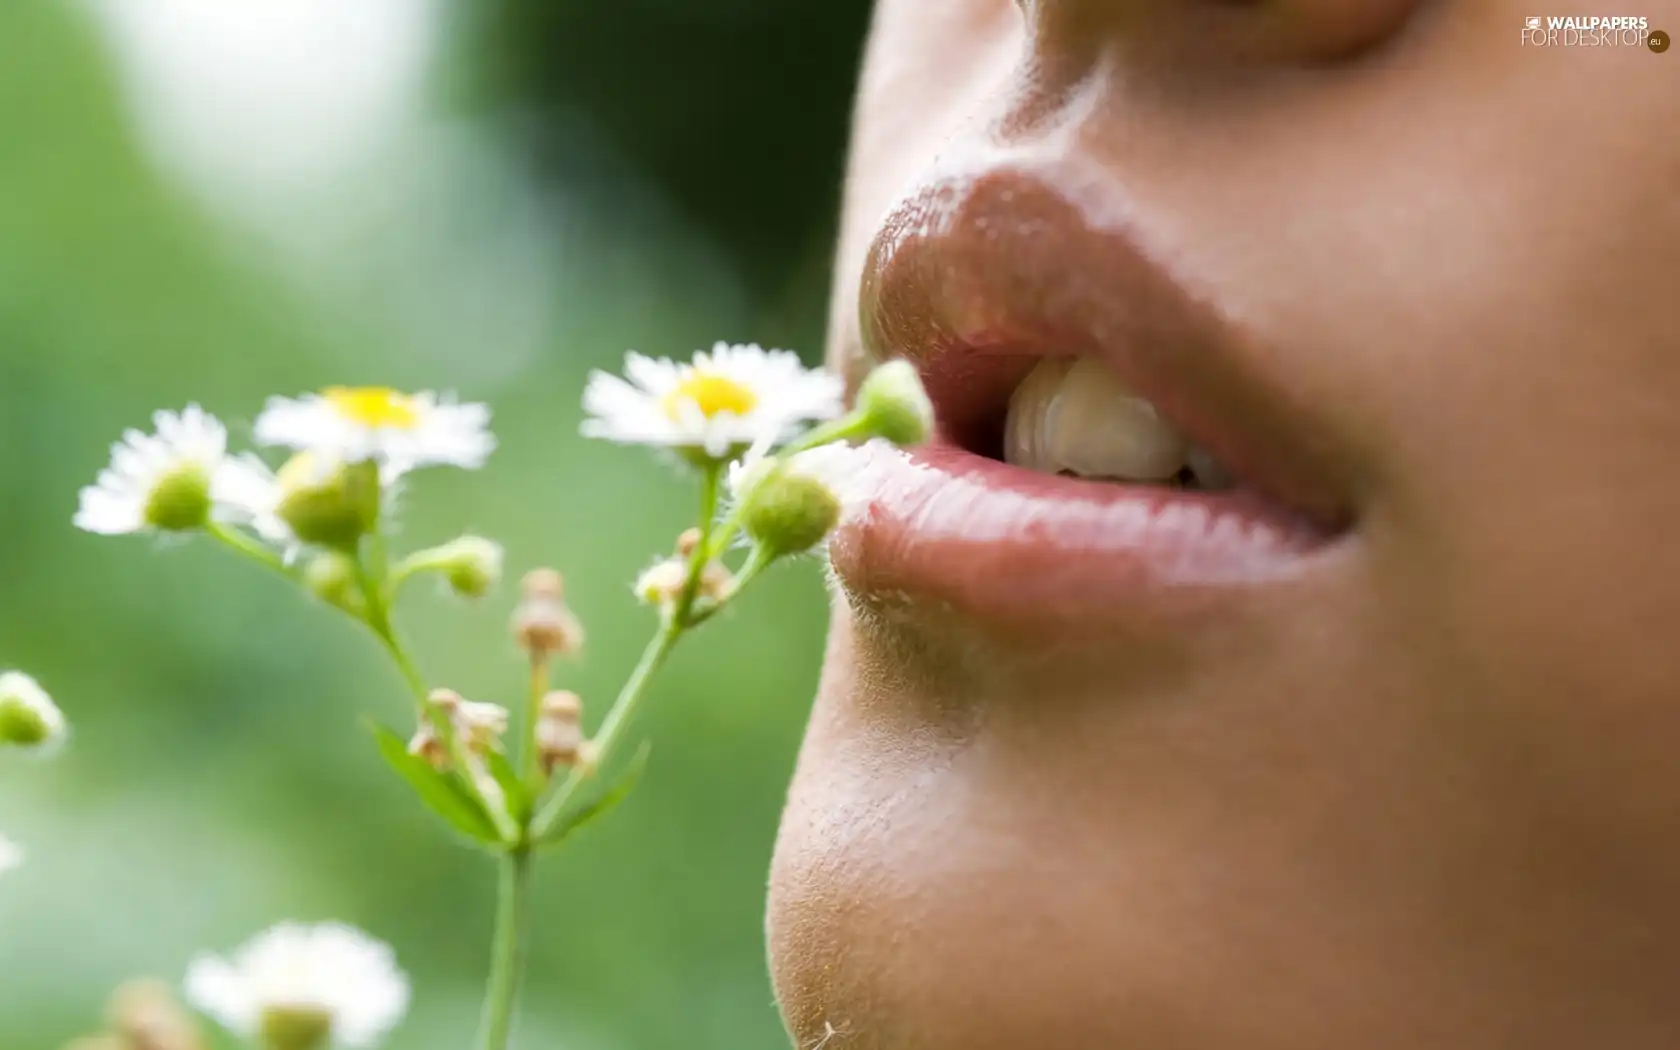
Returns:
(976, 277)
(942, 528)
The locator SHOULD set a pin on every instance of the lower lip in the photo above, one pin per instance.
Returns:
(940, 528)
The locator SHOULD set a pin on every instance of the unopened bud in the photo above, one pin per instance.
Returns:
(472, 564)
(28, 717)
(544, 583)
(786, 510)
(426, 744)
(328, 503)
(893, 404)
(661, 583)
(688, 543)
(180, 500)
(478, 727)
(543, 625)
(331, 577)
(481, 726)
(147, 1016)
(560, 740)
(715, 581)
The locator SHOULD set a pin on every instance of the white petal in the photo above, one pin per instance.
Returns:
(219, 990)
(656, 375)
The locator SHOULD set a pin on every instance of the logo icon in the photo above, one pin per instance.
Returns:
(1533, 22)
(1657, 41)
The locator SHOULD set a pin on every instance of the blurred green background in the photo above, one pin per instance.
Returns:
(210, 201)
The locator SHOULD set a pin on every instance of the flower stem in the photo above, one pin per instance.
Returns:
(606, 738)
(249, 547)
(757, 562)
(529, 761)
(378, 619)
(843, 429)
(672, 624)
(507, 953)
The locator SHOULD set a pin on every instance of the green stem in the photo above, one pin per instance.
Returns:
(507, 952)
(671, 627)
(378, 620)
(760, 560)
(606, 738)
(248, 546)
(530, 768)
(843, 429)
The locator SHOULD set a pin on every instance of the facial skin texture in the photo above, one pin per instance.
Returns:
(1428, 795)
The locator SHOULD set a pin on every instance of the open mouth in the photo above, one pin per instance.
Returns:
(1107, 444)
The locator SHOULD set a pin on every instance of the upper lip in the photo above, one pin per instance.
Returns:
(977, 275)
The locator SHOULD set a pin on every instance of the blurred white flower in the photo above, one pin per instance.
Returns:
(28, 717)
(724, 400)
(11, 854)
(398, 431)
(303, 986)
(266, 97)
(178, 478)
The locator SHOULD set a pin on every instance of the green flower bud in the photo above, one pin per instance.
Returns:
(329, 504)
(785, 510)
(179, 500)
(471, 564)
(295, 1028)
(893, 404)
(28, 718)
(331, 577)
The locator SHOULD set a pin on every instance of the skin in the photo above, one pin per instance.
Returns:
(1431, 796)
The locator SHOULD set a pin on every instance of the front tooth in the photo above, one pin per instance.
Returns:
(1076, 416)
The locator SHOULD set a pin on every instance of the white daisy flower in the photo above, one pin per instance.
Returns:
(303, 986)
(727, 399)
(399, 431)
(176, 479)
(11, 854)
(29, 719)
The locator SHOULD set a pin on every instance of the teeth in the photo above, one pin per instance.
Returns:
(1074, 416)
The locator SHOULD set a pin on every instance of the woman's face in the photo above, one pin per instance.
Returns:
(1379, 747)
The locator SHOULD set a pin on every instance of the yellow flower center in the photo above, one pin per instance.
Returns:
(374, 406)
(711, 394)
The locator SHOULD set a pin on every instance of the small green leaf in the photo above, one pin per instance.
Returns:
(513, 788)
(443, 793)
(604, 803)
